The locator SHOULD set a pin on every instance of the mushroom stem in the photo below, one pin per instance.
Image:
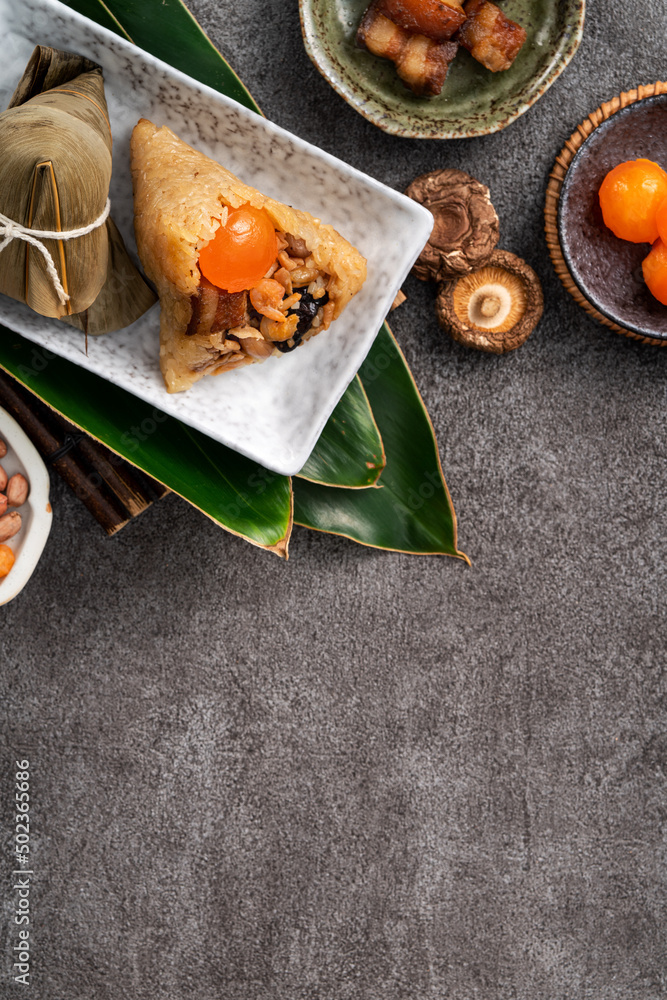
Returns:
(489, 306)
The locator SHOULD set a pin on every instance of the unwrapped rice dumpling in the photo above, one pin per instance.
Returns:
(240, 276)
(55, 169)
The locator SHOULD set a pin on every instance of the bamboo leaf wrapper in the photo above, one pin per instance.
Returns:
(55, 169)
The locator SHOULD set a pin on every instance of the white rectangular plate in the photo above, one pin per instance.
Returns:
(274, 412)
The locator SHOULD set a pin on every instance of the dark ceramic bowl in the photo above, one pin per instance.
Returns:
(607, 270)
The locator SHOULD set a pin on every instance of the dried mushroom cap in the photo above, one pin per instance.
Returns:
(466, 228)
(494, 309)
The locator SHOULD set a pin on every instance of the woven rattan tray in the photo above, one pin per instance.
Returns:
(557, 178)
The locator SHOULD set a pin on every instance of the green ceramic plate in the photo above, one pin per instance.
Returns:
(473, 100)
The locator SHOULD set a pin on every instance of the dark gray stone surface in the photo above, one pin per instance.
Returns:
(364, 775)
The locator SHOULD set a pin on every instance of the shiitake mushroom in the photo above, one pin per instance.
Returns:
(487, 299)
(495, 308)
(466, 228)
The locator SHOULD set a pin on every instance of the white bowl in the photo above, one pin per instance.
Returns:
(28, 544)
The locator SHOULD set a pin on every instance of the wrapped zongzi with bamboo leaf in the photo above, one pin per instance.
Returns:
(55, 169)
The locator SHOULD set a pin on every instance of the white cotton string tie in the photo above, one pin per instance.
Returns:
(10, 231)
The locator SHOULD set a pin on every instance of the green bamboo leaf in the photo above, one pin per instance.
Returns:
(238, 494)
(168, 30)
(98, 11)
(349, 452)
(412, 512)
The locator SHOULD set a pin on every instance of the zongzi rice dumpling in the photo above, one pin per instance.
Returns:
(240, 276)
(55, 169)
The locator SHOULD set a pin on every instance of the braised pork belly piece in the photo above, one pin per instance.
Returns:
(421, 38)
(214, 310)
(490, 37)
(437, 19)
(421, 62)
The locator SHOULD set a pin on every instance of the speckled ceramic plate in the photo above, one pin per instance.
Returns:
(473, 100)
(274, 412)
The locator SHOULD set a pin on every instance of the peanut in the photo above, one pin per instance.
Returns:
(3, 479)
(3, 504)
(3, 448)
(303, 276)
(9, 525)
(17, 490)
